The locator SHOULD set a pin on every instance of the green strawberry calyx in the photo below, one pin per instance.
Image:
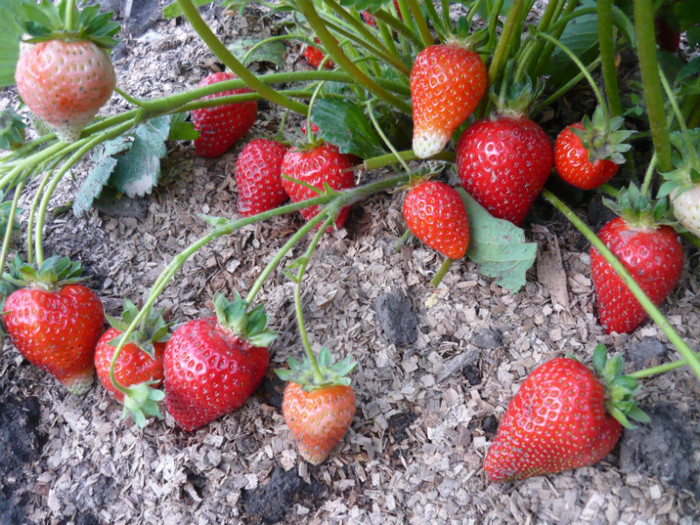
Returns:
(638, 210)
(686, 164)
(47, 21)
(152, 329)
(249, 325)
(51, 275)
(513, 98)
(604, 140)
(324, 374)
(620, 390)
(142, 400)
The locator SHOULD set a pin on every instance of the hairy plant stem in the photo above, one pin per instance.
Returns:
(556, 30)
(606, 40)
(493, 24)
(400, 27)
(70, 15)
(661, 369)
(10, 223)
(653, 92)
(553, 10)
(511, 31)
(629, 281)
(442, 271)
(408, 155)
(563, 90)
(421, 22)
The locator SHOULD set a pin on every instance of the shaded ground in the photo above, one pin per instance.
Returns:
(436, 367)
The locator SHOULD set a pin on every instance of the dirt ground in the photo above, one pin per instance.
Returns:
(437, 367)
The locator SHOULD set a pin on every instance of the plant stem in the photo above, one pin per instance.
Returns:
(563, 90)
(399, 26)
(649, 175)
(629, 281)
(442, 271)
(408, 155)
(511, 31)
(653, 93)
(421, 23)
(70, 16)
(10, 224)
(556, 31)
(661, 369)
(606, 39)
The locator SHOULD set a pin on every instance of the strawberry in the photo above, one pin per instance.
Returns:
(503, 161)
(447, 83)
(65, 83)
(139, 367)
(221, 126)
(686, 208)
(317, 165)
(318, 409)
(213, 365)
(563, 417)
(315, 56)
(435, 213)
(588, 153)
(55, 322)
(682, 184)
(258, 169)
(652, 254)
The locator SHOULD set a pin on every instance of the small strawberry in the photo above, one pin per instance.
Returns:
(318, 407)
(588, 153)
(563, 418)
(213, 365)
(315, 166)
(435, 213)
(447, 83)
(258, 169)
(139, 366)
(651, 253)
(686, 208)
(315, 56)
(682, 184)
(503, 161)
(54, 322)
(221, 126)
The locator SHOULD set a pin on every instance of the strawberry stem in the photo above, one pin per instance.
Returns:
(638, 293)
(70, 16)
(510, 31)
(442, 271)
(383, 136)
(661, 369)
(607, 55)
(421, 23)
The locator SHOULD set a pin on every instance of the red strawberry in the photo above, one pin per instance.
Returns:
(65, 83)
(323, 163)
(653, 255)
(435, 213)
(560, 419)
(588, 153)
(221, 126)
(318, 412)
(213, 365)
(258, 179)
(55, 323)
(447, 83)
(139, 366)
(503, 162)
(315, 56)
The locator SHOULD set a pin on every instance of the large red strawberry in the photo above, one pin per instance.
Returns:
(447, 83)
(503, 161)
(588, 153)
(317, 165)
(562, 418)
(651, 254)
(54, 322)
(258, 176)
(221, 126)
(318, 409)
(139, 366)
(213, 365)
(435, 213)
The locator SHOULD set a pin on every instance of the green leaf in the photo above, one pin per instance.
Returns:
(272, 52)
(600, 357)
(497, 246)
(138, 169)
(173, 10)
(180, 129)
(11, 13)
(344, 123)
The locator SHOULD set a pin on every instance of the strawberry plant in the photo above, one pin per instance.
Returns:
(416, 92)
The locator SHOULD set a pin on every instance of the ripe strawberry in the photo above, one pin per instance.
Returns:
(54, 322)
(315, 56)
(221, 126)
(503, 162)
(323, 163)
(139, 366)
(258, 179)
(65, 83)
(213, 365)
(435, 213)
(562, 418)
(587, 154)
(653, 256)
(318, 412)
(447, 83)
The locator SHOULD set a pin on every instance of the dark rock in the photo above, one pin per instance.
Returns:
(85, 518)
(397, 318)
(490, 424)
(668, 448)
(489, 338)
(640, 354)
(272, 391)
(272, 501)
(472, 374)
(398, 423)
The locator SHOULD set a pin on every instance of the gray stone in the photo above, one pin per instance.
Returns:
(640, 354)
(397, 318)
(488, 338)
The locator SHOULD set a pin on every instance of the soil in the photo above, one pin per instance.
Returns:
(437, 367)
